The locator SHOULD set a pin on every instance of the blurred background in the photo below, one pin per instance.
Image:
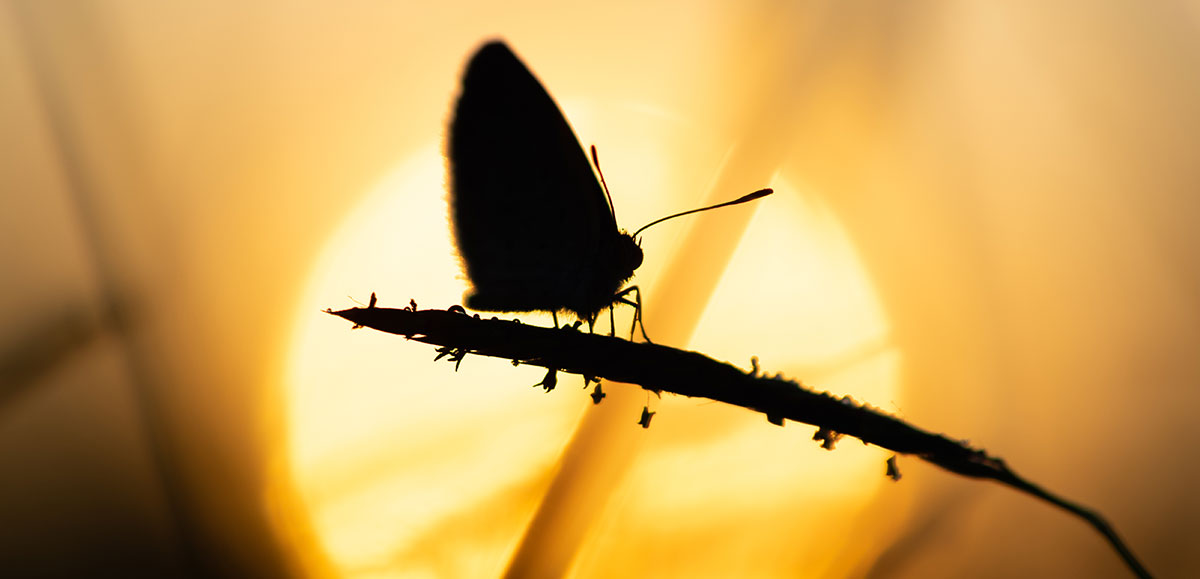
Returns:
(984, 224)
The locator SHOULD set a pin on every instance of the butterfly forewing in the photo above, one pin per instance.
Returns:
(532, 224)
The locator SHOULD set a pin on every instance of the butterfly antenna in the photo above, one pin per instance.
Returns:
(744, 199)
(596, 161)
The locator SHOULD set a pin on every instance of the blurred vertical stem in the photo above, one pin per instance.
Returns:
(606, 441)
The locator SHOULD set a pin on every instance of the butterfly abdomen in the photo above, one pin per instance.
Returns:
(582, 286)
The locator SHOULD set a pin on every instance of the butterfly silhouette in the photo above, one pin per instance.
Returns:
(534, 227)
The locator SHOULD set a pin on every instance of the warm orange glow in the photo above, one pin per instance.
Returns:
(407, 467)
(986, 224)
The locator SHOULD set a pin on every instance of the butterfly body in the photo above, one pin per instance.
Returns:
(532, 223)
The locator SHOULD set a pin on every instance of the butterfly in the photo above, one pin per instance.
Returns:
(534, 227)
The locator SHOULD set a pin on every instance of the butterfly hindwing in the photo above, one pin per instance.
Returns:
(531, 221)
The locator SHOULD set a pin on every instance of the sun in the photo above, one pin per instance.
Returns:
(407, 468)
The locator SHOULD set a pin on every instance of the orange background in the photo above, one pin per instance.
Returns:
(984, 224)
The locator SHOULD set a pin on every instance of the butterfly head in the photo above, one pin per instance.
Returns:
(629, 254)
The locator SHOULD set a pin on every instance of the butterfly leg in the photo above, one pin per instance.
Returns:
(554, 316)
(637, 310)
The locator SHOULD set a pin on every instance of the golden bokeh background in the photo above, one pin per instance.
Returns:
(984, 224)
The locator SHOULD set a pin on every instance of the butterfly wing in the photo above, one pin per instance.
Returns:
(531, 221)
